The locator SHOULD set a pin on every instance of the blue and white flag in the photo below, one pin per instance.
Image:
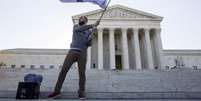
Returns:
(101, 3)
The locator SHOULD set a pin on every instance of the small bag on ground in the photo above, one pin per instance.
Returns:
(30, 88)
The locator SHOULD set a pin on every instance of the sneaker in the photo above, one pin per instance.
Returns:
(81, 95)
(54, 95)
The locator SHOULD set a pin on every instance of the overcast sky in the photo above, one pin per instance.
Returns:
(48, 23)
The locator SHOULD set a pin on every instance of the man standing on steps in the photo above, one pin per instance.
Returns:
(78, 53)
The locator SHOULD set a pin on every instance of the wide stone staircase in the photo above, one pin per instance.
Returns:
(113, 84)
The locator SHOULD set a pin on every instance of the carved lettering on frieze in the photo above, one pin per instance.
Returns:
(119, 13)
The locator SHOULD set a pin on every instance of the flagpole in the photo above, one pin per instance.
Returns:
(104, 10)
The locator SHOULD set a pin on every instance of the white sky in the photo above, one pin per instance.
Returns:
(48, 23)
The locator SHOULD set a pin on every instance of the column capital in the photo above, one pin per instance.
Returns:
(146, 30)
(111, 28)
(134, 29)
(158, 29)
(124, 28)
(100, 28)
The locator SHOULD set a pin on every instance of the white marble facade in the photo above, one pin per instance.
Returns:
(126, 39)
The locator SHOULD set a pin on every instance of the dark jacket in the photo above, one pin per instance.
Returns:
(81, 37)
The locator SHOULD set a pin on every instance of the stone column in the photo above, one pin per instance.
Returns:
(159, 48)
(137, 49)
(148, 50)
(112, 48)
(125, 49)
(100, 48)
(89, 58)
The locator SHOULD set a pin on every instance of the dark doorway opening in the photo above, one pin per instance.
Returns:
(118, 62)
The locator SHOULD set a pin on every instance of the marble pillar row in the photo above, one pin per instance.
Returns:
(137, 49)
(148, 50)
(100, 48)
(125, 49)
(112, 48)
(159, 47)
(88, 58)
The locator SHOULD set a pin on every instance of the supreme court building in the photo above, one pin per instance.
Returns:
(125, 39)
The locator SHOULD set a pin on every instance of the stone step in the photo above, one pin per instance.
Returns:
(115, 95)
(114, 84)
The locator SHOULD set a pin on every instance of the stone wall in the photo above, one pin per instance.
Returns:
(182, 59)
(39, 58)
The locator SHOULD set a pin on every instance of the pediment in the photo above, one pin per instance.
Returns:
(119, 12)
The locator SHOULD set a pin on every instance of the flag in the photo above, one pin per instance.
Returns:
(101, 3)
